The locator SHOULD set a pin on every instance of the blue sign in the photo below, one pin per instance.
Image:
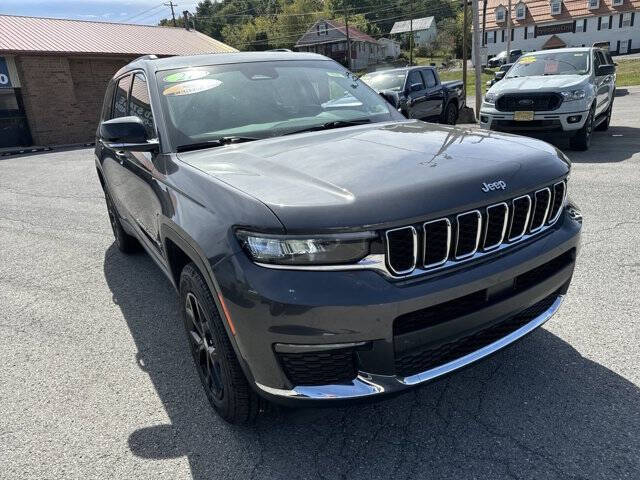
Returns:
(5, 80)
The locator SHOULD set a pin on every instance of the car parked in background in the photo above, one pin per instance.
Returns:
(324, 249)
(417, 92)
(564, 90)
(499, 75)
(501, 58)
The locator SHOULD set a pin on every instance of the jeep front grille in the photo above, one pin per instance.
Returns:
(446, 241)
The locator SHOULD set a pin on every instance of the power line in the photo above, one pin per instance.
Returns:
(142, 13)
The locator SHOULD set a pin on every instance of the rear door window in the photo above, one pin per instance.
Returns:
(429, 78)
(120, 102)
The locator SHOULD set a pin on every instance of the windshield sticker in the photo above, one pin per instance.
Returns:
(578, 54)
(527, 60)
(336, 74)
(188, 88)
(185, 76)
(551, 66)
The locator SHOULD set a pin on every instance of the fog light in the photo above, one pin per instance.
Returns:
(484, 118)
(574, 118)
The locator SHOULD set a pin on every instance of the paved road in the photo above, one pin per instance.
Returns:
(96, 381)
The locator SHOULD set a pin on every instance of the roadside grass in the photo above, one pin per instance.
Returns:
(628, 72)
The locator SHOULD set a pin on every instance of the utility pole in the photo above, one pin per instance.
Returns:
(411, 36)
(465, 25)
(509, 33)
(185, 14)
(476, 55)
(173, 15)
(346, 23)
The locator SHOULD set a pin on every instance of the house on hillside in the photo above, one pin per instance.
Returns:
(544, 24)
(390, 48)
(424, 30)
(329, 38)
(54, 72)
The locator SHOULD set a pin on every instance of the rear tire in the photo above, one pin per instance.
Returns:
(450, 116)
(125, 242)
(222, 377)
(582, 139)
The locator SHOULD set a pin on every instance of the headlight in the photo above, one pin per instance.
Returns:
(306, 250)
(573, 95)
(490, 97)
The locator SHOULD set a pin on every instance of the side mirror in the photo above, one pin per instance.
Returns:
(499, 75)
(415, 87)
(127, 133)
(605, 70)
(391, 97)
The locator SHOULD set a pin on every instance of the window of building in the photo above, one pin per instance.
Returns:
(556, 7)
(593, 4)
(521, 11)
(626, 19)
(616, 3)
(604, 23)
(120, 98)
(500, 14)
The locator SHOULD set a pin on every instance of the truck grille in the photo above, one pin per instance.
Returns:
(319, 368)
(537, 102)
(446, 241)
(425, 358)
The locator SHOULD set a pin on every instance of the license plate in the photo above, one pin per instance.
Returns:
(525, 116)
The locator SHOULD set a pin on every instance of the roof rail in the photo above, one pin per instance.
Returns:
(146, 57)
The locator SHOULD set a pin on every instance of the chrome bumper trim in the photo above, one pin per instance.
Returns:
(365, 384)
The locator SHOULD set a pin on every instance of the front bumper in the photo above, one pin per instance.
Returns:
(554, 121)
(276, 310)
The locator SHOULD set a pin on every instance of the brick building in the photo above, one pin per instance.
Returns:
(541, 24)
(53, 72)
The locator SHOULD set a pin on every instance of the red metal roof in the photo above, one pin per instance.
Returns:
(354, 33)
(52, 35)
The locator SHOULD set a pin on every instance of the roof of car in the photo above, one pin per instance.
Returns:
(158, 64)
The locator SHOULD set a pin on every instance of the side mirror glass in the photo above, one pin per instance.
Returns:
(605, 70)
(127, 133)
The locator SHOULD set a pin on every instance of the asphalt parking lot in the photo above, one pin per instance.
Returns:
(96, 380)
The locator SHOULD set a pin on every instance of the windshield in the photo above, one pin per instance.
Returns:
(552, 63)
(264, 99)
(385, 80)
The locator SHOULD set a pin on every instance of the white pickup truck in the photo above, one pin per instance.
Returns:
(566, 90)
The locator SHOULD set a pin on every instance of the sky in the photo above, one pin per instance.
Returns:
(128, 11)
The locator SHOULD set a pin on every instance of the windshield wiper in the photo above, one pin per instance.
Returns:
(330, 125)
(218, 142)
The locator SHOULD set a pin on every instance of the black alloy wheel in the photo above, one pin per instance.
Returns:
(582, 139)
(451, 114)
(203, 348)
(222, 378)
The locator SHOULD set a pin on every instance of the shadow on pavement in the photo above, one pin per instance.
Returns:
(537, 410)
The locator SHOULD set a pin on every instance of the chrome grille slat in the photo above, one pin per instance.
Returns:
(425, 229)
(391, 258)
(510, 221)
(505, 221)
(477, 234)
(515, 210)
(540, 209)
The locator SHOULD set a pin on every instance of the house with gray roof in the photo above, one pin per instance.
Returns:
(329, 38)
(424, 30)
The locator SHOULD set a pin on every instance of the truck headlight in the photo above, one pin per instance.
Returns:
(306, 249)
(490, 97)
(573, 95)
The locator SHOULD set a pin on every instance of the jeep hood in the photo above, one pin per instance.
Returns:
(552, 83)
(381, 174)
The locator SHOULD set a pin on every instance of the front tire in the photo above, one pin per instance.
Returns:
(582, 139)
(222, 377)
